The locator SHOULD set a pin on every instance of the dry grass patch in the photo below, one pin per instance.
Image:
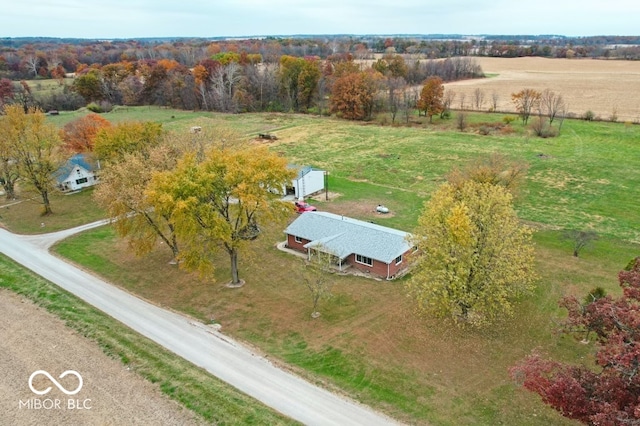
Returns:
(602, 86)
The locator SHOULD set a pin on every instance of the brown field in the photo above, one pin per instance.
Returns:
(33, 339)
(602, 86)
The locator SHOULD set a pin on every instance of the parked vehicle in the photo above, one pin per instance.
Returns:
(302, 207)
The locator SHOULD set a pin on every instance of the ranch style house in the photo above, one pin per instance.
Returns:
(365, 246)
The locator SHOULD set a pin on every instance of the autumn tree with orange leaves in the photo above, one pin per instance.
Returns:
(431, 100)
(353, 94)
(79, 135)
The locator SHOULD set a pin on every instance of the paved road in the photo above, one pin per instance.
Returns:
(211, 350)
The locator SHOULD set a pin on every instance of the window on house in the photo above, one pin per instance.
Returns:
(80, 181)
(298, 240)
(364, 260)
(399, 259)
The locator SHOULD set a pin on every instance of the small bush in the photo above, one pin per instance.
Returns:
(94, 107)
(484, 130)
(106, 106)
(595, 294)
(508, 119)
(550, 132)
(589, 116)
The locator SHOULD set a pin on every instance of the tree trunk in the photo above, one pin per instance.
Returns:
(233, 254)
(47, 204)
(9, 190)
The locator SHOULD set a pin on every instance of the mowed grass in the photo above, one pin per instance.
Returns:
(213, 400)
(368, 341)
(24, 215)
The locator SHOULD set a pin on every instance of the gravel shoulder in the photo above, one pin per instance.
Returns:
(33, 339)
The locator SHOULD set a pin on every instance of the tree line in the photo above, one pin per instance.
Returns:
(28, 58)
(242, 82)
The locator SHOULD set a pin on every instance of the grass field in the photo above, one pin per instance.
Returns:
(581, 179)
(213, 400)
(368, 341)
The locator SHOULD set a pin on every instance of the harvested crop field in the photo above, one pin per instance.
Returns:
(606, 87)
(33, 339)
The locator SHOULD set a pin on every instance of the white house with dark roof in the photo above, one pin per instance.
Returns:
(77, 173)
(362, 245)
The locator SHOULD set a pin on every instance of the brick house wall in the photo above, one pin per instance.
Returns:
(292, 244)
(378, 268)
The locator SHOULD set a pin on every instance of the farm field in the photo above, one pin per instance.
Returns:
(602, 86)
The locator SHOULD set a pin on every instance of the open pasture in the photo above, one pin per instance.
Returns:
(368, 340)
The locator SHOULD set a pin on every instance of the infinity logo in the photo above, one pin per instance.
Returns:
(55, 382)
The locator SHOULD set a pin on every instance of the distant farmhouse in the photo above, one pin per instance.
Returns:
(77, 173)
(307, 182)
(370, 248)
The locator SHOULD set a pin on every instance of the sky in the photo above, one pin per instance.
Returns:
(108, 19)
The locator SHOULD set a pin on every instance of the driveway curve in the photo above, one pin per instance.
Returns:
(218, 354)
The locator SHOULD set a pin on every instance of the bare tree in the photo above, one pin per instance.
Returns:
(462, 98)
(317, 277)
(447, 100)
(551, 104)
(461, 121)
(31, 63)
(562, 115)
(223, 84)
(579, 239)
(494, 101)
(409, 100)
(478, 99)
(395, 88)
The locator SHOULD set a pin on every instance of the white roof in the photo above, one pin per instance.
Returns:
(343, 236)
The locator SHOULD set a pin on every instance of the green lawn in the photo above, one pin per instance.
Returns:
(582, 179)
(368, 340)
(24, 215)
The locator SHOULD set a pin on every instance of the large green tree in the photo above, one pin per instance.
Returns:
(474, 258)
(220, 200)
